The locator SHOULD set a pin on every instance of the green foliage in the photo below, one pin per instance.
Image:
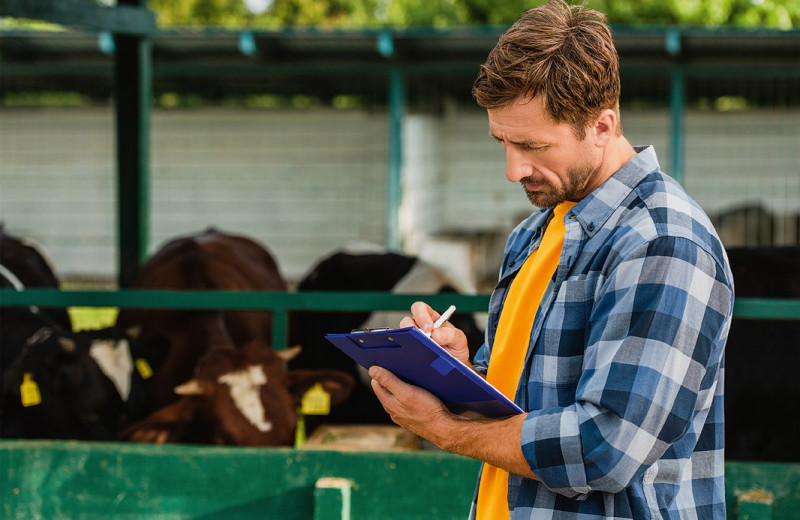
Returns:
(783, 14)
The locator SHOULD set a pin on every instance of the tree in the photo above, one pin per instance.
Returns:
(783, 14)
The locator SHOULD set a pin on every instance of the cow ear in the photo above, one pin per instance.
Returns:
(193, 387)
(339, 385)
(67, 344)
(290, 353)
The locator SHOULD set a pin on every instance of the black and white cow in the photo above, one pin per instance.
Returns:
(762, 395)
(60, 384)
(88, 385)
(366, 270)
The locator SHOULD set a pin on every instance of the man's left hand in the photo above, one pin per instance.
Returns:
(410, 406)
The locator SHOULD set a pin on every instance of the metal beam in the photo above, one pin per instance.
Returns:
(133, 89)
(122, 19)
(397, 109)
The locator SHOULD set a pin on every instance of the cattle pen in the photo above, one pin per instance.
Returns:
(71, 479)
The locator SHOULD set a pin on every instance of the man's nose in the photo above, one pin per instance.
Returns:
(517, 167)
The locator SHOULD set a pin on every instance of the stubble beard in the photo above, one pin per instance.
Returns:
(573, 189)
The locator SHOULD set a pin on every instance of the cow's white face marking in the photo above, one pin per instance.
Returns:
(245, 388)
(114, 360)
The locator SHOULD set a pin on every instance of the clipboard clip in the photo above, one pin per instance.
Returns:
(365, 330)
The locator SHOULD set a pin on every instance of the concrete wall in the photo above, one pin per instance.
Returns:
(301, 182)
(306, 181)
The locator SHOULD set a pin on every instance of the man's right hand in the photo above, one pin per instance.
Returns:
(450, 338)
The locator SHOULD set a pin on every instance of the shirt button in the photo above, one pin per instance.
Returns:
(590, 227)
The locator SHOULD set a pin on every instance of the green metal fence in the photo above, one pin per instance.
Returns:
(281, 303)
(78, 480)
(56, 480)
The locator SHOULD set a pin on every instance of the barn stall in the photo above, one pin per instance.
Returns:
(55, 479)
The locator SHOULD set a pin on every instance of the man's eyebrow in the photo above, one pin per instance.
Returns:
(528, 144)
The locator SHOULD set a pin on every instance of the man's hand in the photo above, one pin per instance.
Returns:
(450, 338)
(411, 407)
(496, 441)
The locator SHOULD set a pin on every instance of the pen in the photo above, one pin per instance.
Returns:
(443, 318)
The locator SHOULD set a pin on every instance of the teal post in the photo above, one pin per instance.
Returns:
(676, 103)
(397, 107)
(133, 90)
(280, 328)
(677, 96)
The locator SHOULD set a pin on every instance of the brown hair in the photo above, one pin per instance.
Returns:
(565, 53)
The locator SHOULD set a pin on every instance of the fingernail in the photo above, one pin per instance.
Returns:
(374, 372)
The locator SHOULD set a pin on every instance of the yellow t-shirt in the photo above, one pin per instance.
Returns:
(511, 345)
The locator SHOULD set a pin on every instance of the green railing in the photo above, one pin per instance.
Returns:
(281, 303)
(56, 480)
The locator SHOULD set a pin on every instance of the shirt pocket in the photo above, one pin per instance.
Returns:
(558, 356)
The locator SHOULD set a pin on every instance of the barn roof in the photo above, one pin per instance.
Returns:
(358, 61)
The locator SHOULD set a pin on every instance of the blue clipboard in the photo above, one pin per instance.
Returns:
(418, 360)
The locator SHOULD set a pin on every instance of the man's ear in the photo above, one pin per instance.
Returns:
(605, 127)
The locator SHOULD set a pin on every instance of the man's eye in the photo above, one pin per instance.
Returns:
(535, 148)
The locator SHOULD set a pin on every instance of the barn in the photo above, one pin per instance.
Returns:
(307, 141)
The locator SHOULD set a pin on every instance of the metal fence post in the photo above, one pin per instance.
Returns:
(133, 90)
(397, 107)
(677, 96)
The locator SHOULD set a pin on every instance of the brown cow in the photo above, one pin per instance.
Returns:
(221, 381)
(243, 397)
(208, 261)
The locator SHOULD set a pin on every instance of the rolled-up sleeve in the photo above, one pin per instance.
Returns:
(654, 344)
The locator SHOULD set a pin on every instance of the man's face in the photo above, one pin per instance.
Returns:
(544, 156)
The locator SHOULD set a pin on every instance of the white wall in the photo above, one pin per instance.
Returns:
(302, 182)
(306, 181)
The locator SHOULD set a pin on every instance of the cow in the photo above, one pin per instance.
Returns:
(60, 384)
(238, 396)
(24, 265)
(366, 269)
(87, 385)
(210, 260)
(221, 382)
(762, 397)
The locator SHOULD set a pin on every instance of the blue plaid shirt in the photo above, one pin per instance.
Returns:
(623, 374)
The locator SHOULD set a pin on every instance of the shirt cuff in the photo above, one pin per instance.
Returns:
(551, 444)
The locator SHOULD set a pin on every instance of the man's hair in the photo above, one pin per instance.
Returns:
(564, 53)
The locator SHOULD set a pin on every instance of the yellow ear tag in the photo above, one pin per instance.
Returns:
(144, 368)
(316, 401)
(29, 391)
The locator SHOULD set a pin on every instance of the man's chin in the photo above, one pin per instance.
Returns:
(544, 200)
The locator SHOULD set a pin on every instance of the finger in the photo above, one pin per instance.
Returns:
(381, 393)
(424, 315)
(386, 379)
(408, 321)
(452, 340)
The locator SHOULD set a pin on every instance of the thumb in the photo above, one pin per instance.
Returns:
(383, 377)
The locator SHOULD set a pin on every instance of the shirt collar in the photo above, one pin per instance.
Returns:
(596, 208)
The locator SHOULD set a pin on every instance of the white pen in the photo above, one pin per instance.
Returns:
(443, 318)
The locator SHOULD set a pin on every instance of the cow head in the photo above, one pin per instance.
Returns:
(242, 397)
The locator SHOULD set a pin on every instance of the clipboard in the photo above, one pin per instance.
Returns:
(418, 360)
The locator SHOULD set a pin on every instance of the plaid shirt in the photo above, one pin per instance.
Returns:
(623, 374)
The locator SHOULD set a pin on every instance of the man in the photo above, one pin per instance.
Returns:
(610, 316)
